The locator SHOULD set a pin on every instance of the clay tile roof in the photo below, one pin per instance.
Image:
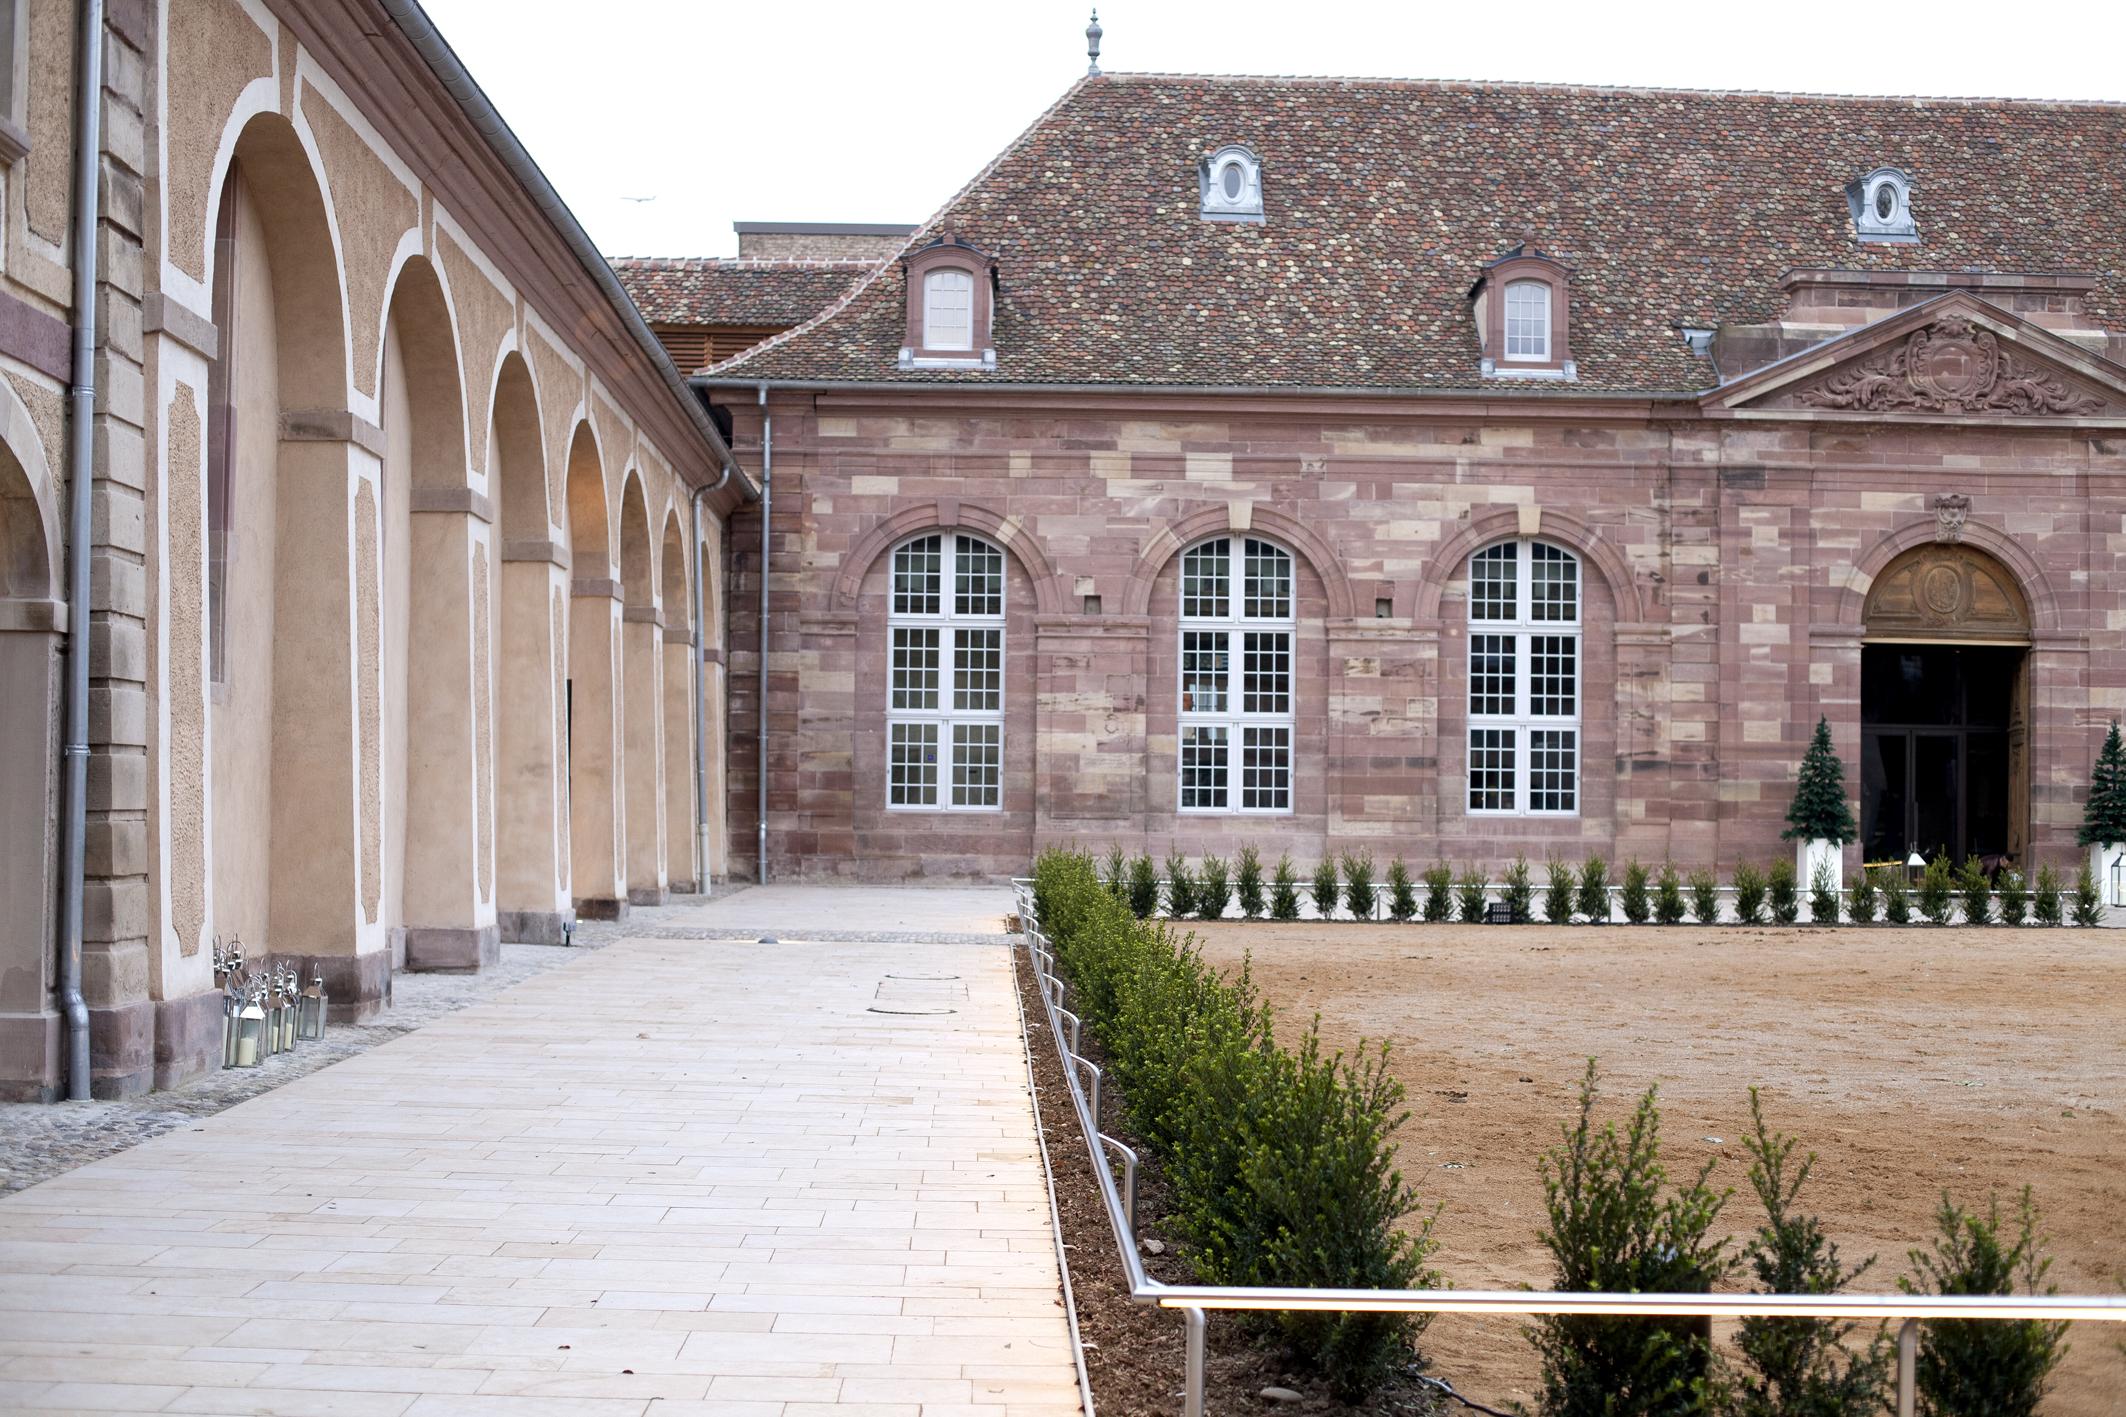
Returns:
(688, 290)
(1385, 200)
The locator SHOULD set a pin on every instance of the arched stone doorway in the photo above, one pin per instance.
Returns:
(1944, 709)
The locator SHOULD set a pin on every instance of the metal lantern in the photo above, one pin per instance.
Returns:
(1915, 867)
(2118, 879)
(251, 1033)
(310, 1010)
(232, 1004)
(285, 985)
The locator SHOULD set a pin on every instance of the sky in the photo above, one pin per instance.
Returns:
(661, 122)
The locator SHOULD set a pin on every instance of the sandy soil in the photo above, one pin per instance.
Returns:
(1909, 1060)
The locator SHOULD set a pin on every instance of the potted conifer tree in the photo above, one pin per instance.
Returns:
(2104, 819)
(1820, 821)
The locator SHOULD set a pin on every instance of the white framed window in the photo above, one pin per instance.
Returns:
(1528, 320)
(1236, 725)
(1229, 182)
(945, 675)
(948, 310)
(1524, 680)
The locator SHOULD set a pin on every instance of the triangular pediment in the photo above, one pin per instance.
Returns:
(1954, 358)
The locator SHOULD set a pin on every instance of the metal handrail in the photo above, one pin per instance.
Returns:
(1194, 1300)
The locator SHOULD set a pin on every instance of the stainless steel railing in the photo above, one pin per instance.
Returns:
(1195, 1300)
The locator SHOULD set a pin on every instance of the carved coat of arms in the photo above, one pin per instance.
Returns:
(1951, 366)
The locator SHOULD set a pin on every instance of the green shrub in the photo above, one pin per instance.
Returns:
(1781, 893)
(1180, 888)
(2014, 896)
(1247, 880)
(1800, 1367)
(1593, 898)
(1823, 896)
(1325, 891)
(1637, 902)
(1557, 895)
(1976, 892)
(1749, 894)
(1704, 897)
(1284, 890)
(1863, 900)
(1668, 896)
(1358, 885)
(1519, 891)
(1975, 1367)
(1213, 891)
(2045, 901)
(1470, 889)
(1439, 893)
(2088, 905)
(1280, 1163)
(1896, 898)
(1402, 892)
(1117, 874)
(1143, 888)
(1937, 891)
(1611, 1230)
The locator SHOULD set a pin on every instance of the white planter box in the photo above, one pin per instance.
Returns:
(1808, 855)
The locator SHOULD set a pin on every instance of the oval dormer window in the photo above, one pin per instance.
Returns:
(1233, 180)
(1230, 183)
(1885, 202)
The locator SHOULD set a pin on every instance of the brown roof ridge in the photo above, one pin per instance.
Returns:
(1636, 90)
(915, 238)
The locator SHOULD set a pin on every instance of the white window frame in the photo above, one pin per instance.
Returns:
(1523, 629)
(1541, 355)
(1234, 624)
(944, 714)
(959, 341)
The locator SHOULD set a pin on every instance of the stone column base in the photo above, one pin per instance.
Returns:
(647, 895)
(682, 888)
(188, 1040)
(535, 927)
(600, 908)
(29, 1058)
(121, 1050)
(453, 949)
(357, 987)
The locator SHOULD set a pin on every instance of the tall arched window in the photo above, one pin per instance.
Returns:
(1236, 677)
(1528, 320)
(948, 309)
(945, 702)
(1524, 679)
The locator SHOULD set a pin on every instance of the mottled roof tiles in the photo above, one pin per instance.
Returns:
(686, 290)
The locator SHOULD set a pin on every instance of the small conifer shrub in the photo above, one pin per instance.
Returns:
(2045, 900)
(1116, 877)
(1143, 888)
(1823, 896)
(2104, 813)
(2014, 896)
(1669, 907)
(1359, 898)
(1470, 889)
(1974, 1367)
(1637, 902)
(1976, 892)
(1592, 900)
(1781, 893)
(1896, 899)
(1247, 882)
(1402, 892)
(1558, 894)
(1284, 890)
(1704, 897)
(1863, 898)
(1820, 811)
(1937, 891)
(1180, 888)
(1518, 891)
(1325, 888)
(1213, 891)
(1749, 894)
(2088, 905)
(1439, 893)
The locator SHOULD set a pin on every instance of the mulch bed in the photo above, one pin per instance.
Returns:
(1134, 1353)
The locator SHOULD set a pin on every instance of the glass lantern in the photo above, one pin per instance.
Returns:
(1915, 868)
(251, 1034)
(310, 1010)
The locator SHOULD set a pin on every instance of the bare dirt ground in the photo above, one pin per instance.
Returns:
(1909, 1060)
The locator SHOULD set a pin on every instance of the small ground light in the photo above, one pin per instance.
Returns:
(1915, 867)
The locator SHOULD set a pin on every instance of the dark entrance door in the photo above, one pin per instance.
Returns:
(1934, 750)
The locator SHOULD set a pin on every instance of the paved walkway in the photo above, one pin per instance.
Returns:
(672, 1177)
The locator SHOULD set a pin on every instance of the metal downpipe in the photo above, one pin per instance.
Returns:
(767, 517)
(80, 474)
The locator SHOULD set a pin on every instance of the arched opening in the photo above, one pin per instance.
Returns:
(641, 696)
(438, 827)
(589, 703)
(32, 666)
(293, 714)
(532, 872)
(678, 655)
(708, 638)
(1945, 710)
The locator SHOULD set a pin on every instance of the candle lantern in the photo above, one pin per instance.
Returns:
(1915, 867)
(310, 1016)
(2118, 879)
(251, 1033)
(291, 994)
(232, 1004)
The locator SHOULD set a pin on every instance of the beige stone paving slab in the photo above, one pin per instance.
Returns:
(709, 1163)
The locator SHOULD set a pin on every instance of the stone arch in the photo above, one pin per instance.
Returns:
(679, 728)
(516, 453)
(1274, 525)
(1423, 597)
(948, 514)
(29, 523)
(2028, 577)
(591, 689)
(641, 697)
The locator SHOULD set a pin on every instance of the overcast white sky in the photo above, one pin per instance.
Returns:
(663, 121)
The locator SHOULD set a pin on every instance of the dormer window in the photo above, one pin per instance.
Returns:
(951, 301)
(1881, 203)
(1229, 183)
(1521, 304)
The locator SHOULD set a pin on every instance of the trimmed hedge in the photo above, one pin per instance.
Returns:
(1280, 1159)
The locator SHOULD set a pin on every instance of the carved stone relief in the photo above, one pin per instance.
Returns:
(1946, 591)
(1951, 366)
